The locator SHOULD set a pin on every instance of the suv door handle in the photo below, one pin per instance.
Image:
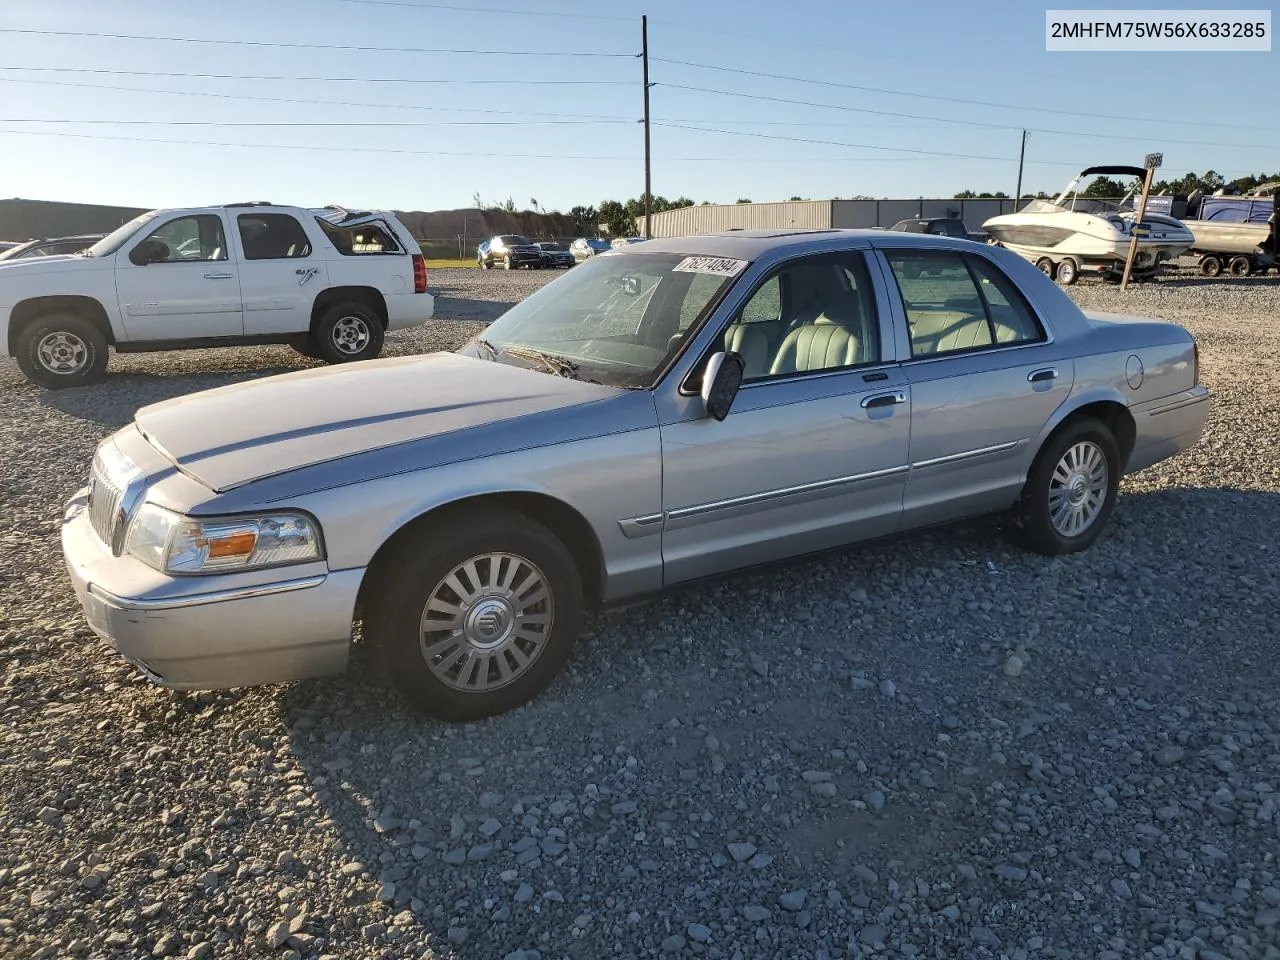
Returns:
(1039, 376)
(883, 400)
(218, 276)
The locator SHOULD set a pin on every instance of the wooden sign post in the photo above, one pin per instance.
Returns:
(1139, 229)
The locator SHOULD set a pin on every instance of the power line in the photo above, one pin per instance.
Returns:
(857, 146)
(319, 123)
(239, 76)
(508, 12)
(970, 123)
(424, 107)
(320, 46)
(931, 96)
(447, 153)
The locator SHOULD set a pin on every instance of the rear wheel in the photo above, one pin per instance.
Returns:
(1068, 271)
(478, 614)
(1240, 267)
(1071, 489)
(347, 332)
(62, 349)
(485, 264)
(1045, 266)
(1211, 266)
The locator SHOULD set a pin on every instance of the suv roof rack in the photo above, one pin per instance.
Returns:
(251, 203)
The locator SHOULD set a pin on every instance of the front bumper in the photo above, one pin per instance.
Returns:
(209, 633)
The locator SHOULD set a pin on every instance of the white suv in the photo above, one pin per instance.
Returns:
(327, 282)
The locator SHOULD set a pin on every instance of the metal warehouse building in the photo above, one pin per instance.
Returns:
(819, 215)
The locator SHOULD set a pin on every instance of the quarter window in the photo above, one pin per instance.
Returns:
(956, 303)
(272, 236)
(190, 239)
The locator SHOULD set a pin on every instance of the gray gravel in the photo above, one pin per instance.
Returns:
(937, 748)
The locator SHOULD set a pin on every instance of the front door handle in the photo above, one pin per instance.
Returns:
(883, 400)
(218, 276)
(1039, 376)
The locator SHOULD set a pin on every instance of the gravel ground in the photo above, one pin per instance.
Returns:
(939, 748)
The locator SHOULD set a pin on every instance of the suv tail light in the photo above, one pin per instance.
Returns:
(419, 273)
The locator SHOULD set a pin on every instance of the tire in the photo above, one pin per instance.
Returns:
(485, 264)
(1079, 449)
(62, 349)
(1211, 266)
(1240, 267)
(1068, 271)
(347, 332)
(1045, 266)
(419, 578)
(506, 262)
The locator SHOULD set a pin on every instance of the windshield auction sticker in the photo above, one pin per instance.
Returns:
(716, 266)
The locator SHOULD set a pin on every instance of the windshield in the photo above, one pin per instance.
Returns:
(13, 253)
(117, 238)
(515, 240)
(550, 246)
(615, 320)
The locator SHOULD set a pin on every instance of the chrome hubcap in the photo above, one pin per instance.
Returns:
(351, 334)
(1078, 489)
(487, 622)
(62, 352)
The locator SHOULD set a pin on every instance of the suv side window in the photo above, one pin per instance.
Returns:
(195, 238)
(816, 315)
(272, 236)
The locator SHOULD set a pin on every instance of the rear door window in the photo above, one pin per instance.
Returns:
(272, 236)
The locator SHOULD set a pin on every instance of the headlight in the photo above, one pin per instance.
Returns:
(173, 543)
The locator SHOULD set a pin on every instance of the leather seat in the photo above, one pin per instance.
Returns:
(752, 342)
(941, 331)
(820, 345)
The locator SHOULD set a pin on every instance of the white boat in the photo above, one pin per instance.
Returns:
(1071, 233)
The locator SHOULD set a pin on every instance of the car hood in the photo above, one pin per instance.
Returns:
(234, 435)
(56, 263)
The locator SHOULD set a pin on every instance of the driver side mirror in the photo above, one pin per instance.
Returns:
(720, 383)
(148, 251)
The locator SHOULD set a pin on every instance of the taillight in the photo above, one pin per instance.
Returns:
(419, 273)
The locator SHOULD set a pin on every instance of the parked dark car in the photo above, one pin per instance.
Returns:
(937, 226)
(585, 247)
(555, 256)
(51, 247)
(511, 250)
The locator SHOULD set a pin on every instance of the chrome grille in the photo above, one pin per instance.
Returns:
(104, 502)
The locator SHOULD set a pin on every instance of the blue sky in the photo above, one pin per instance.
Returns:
(433, 145)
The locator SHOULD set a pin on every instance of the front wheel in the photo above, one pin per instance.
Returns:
(62, 349)
(477, 614)
(1240, 267)
(347, 332)
(1068, 272)
(506, 262)
(1071, 489)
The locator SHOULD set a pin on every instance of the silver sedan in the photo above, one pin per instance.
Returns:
(675, 410)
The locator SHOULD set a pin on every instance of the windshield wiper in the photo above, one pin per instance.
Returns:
(557, 365)
(487, 346)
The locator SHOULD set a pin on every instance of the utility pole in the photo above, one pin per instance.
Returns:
(1022, 156)
(648, 192)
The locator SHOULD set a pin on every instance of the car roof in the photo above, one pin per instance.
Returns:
(754, 244)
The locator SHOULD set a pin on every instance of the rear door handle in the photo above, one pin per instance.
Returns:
(883, 400)
(218, 276)
(1039, 376)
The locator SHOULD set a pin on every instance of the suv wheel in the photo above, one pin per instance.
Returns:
(62, 349)
(477, 614)
(348, 331)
